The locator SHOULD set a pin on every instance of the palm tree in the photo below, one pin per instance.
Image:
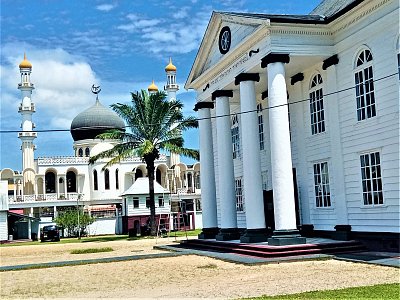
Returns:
(153, 124)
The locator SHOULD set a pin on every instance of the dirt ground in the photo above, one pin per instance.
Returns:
(174, 277)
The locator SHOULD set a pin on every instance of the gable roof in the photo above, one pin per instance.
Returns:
(141, 187)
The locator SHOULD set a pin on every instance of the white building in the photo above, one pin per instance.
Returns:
(49, 185)
(299, 123)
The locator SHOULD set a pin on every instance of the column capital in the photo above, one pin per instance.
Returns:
(204, 104)
(330, 61)
(247, 77)
(273, 58)
(221, 93)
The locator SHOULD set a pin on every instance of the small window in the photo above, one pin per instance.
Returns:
(87, 152)
(135, 202)
(160, 201)
(95, 183)
(260, 125)
(321, 185)
(239, 194)
(364, 81)
(317, 113)
(80, 152)
(235, 137)
(147, 202)
(107, 179)
(371, 178)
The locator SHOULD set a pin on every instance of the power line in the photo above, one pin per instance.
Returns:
(199, 119)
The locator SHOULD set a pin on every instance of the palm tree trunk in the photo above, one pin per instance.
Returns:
(150, 171)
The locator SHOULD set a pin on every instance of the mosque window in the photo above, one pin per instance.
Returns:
(239, 194)
(371, 178)
(95, 183)
(364, 80)
(116, 179)
(80, 152)
(317, 105)
(107, 179)
(321, 185)
(87, 152)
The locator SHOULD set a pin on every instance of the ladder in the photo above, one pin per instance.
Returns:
(163, 226)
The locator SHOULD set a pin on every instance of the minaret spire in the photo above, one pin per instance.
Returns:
(27, 135)
(171, 87)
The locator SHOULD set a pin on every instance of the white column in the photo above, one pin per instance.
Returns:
(225, 164)
(207, 172)
(336, 170)
(252, 183)
(55, 212)
(65, 186)
(282, 175)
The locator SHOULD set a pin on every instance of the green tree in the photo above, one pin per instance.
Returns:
(69, 221)
(154, 124)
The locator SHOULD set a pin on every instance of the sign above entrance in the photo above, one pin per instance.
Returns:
(224, 41)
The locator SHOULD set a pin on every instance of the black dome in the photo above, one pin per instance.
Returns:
(93, 121)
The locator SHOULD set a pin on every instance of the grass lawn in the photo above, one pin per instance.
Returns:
(91, 250)
(105, 238)
(380, 291)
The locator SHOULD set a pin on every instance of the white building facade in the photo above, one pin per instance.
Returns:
(299, 124)
(49, 185)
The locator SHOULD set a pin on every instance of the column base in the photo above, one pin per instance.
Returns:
(307, 230)
(342, 232)
(286, 237)
(208, 233)
(228, 234)
(254, 236)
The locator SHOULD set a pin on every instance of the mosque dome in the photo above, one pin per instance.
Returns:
(93, 121)
(170, 67)
(152, 87)
(25, 63)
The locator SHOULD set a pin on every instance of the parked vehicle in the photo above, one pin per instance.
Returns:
(50, 232)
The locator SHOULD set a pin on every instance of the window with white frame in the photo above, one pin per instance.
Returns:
(161, 201)
(371, 178)
(239, 194)
(235, 137)
(135, 202)
(364, 80)
(321, 185)
(260, 125)
(317, 113)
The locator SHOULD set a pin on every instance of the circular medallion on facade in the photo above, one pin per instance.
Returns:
(224, 41)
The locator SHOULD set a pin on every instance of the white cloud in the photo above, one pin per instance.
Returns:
(106, 7)
(138, 23)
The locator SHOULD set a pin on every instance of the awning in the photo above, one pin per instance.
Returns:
(21, 216)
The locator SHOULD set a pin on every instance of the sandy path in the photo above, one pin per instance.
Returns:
(176, 277)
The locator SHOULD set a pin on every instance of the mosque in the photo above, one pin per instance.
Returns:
(117, 197)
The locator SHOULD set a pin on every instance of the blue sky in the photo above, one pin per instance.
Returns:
(120, 45)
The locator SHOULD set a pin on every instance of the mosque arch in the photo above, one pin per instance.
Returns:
(87, 152)
(71, 182)
(51, 181)
(106, 179)
(80, 152)
(161, 174)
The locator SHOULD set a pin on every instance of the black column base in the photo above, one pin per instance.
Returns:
(307, 230)
(342, 232)
(286, 237)
(208, 233)
(254, 236)
(228, 234)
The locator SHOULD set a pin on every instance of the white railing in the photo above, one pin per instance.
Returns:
(45, 197)
(62, 160)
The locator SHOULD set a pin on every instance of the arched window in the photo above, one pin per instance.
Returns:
(80, 152)
(364, 80)
(138, 174)
(107, 179)
(71, 182)
(235, 137)
(158, 176)
(95, 183)
(116, 179)
(50, 182)
(87, 152)
(317, 113)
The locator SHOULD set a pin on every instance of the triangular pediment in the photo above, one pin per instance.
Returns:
(210, 53)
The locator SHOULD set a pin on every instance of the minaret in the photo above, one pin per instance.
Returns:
(27, 135)
(152, 88)
(171, 88)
